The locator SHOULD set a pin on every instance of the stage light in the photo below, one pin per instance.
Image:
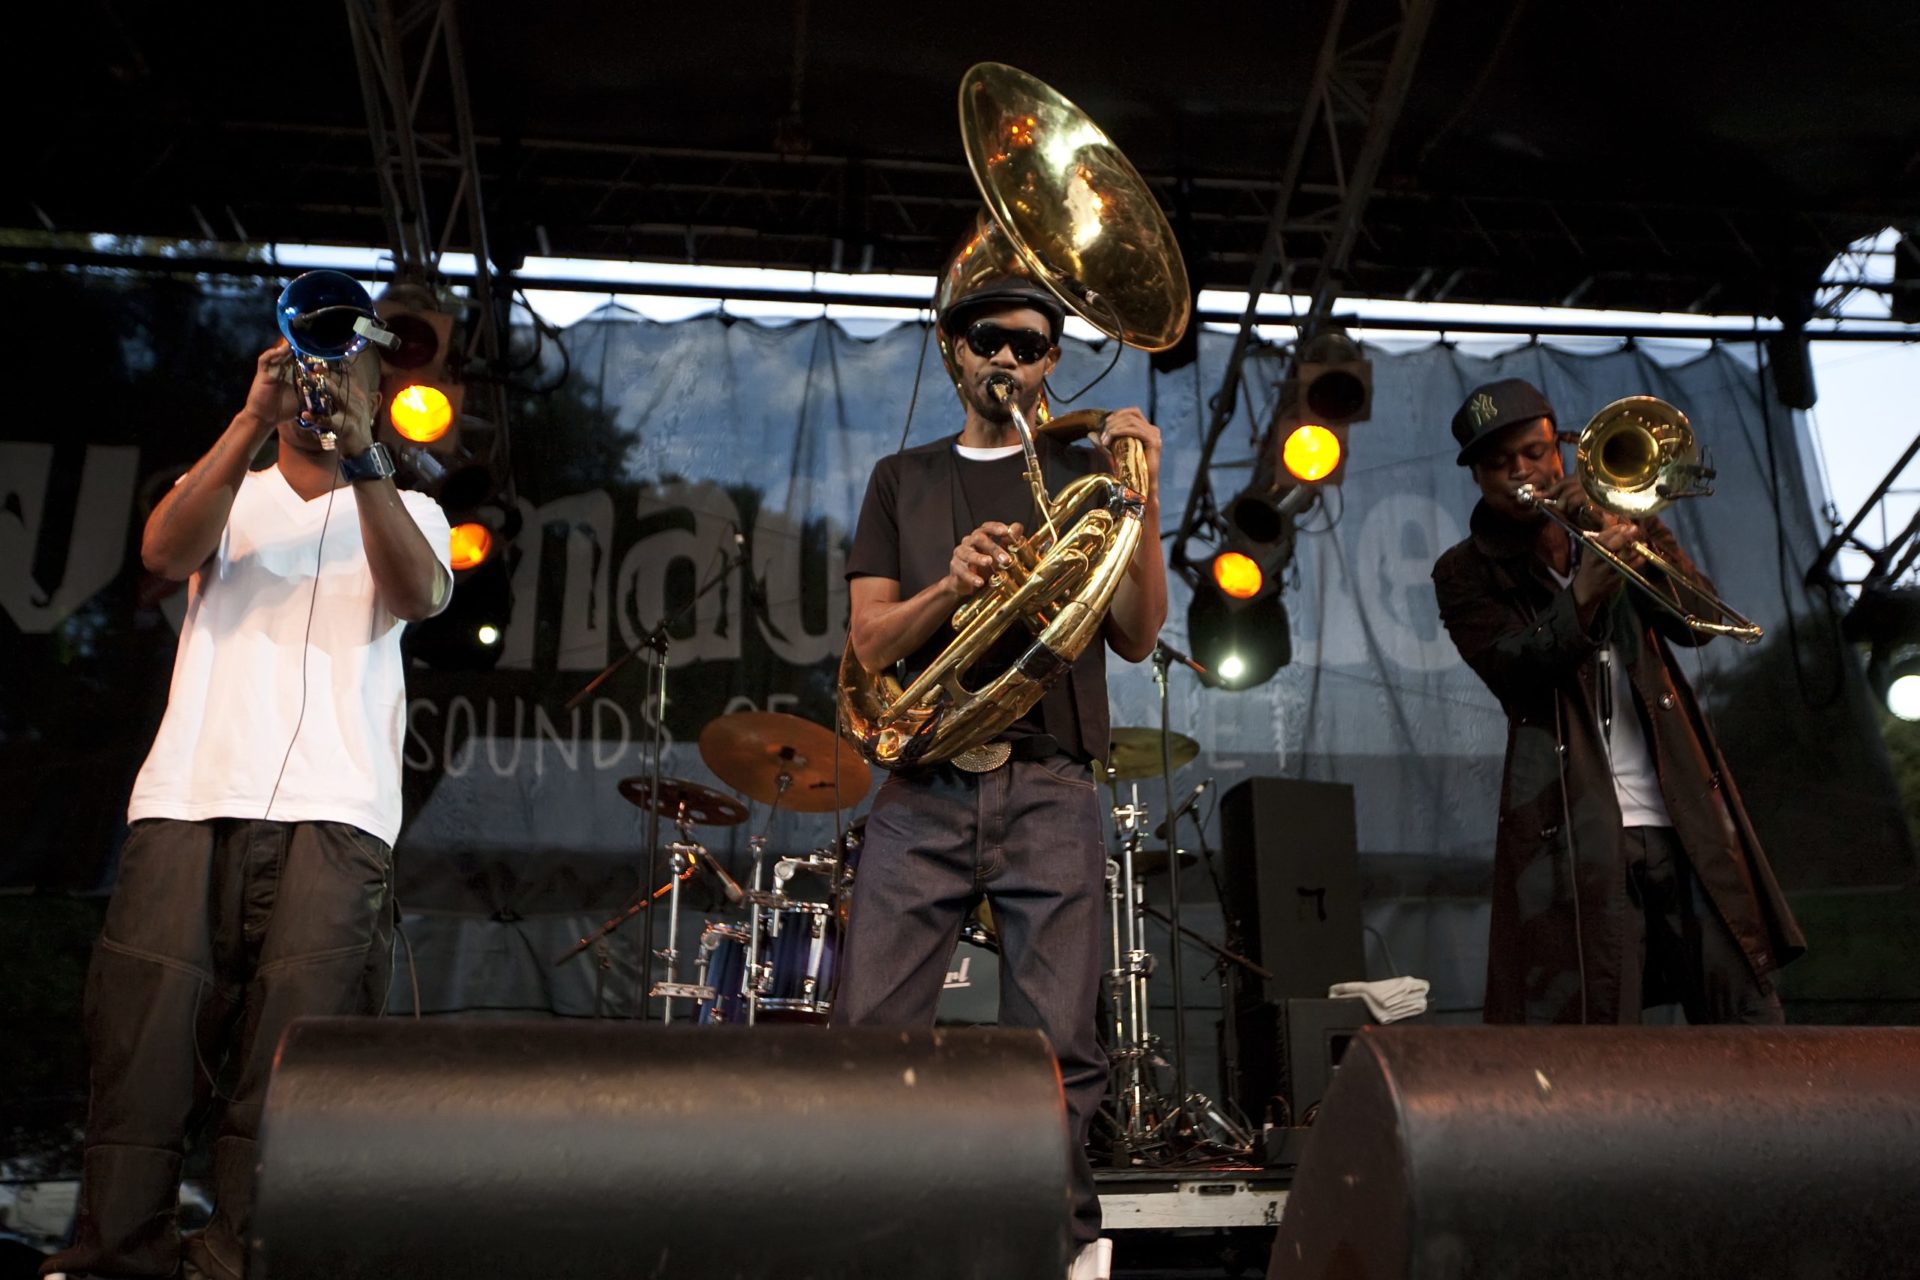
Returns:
(1887, 618)
(471, 543)
(1312, 452)
(421, 413)
(1238, 575)
(420, 378)
(467, 635)
(1903, 685)
(1241, 642)
(1336, 380)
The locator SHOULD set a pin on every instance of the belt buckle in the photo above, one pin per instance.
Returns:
(984, 758)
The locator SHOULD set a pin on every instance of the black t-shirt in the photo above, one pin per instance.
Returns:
(990, 489)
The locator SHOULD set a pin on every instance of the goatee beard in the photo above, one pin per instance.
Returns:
(988, 406)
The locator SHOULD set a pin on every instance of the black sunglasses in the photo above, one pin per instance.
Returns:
(986, 338)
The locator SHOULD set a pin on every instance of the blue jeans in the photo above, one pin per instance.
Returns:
(1027, 837)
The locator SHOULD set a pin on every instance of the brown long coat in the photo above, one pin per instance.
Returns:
(1519, 631)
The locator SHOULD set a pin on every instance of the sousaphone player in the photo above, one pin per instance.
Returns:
(1015, 818)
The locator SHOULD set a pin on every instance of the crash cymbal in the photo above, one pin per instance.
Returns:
(1136, 752)
(705, 806)
(749, 750)
(1153, 862)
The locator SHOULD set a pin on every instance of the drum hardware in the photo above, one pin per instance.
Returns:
(1148, 1124)
(780, 761)
(682, 856)
(1135, 1096)
(687, 805)
(656, 644)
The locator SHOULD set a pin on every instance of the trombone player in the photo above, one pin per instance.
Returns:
(1626, 873)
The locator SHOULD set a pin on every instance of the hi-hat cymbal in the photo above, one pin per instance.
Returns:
(1136, 752)
(705, 807)
(1153, 862)
(750, 750)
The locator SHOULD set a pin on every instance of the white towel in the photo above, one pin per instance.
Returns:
(1388, 1000)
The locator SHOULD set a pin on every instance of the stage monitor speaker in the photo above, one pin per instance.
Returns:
(1293, 880)
(1606, 1153)
(521, 1149)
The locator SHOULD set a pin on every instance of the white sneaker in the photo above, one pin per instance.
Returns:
(1093, 1262)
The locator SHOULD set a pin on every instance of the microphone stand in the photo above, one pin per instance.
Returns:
(1161, 657)
(656, 642)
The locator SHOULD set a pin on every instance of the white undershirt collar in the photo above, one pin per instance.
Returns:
(974, 454)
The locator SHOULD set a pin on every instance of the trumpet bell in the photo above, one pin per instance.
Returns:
(1637, 455)
(320, 314)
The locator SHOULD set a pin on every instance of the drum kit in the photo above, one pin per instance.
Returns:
(771, 954)
(779, 964)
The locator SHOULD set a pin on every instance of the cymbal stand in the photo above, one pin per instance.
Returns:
(757, 845)
(1141, 1110)
(681, 856)
(656, 643)
(1195, 1117)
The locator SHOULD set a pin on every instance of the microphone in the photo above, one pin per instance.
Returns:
(1168, 653)
(756, 590)
(1181, 810)
(729, 887)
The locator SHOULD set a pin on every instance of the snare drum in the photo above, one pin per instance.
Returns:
(723, 966)
(798, 946)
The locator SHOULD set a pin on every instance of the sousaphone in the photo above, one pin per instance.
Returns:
(1063, 207)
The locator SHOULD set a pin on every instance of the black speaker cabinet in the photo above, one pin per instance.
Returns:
(447, 1150)
(1292, 876)
(1603, 1153)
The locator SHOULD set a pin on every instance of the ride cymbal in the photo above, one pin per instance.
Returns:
(751, 750)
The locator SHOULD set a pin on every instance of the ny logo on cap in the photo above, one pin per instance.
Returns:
(1482, 409)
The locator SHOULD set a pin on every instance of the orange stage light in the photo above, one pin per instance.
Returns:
(421, 413)
(1311, 452)
(1237, 575)
(471, 543)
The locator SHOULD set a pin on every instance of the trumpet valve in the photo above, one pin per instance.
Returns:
(1023, 559)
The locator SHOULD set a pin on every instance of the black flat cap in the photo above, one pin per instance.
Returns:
(1004, 291)
(1493, 407)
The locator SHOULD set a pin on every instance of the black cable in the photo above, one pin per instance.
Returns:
(1118, 347)
(919, 367)
(306, 640)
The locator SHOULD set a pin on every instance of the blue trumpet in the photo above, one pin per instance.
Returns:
(326, 318)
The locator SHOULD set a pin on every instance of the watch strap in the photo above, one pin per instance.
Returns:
(375, 464)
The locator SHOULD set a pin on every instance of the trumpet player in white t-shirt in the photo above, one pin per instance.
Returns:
(254, 885)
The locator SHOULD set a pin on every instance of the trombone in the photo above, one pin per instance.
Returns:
(1636, 456)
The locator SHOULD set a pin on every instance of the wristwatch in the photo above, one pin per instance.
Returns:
(375, 464)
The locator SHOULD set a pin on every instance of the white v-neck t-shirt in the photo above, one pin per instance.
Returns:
(1636, 781)
(236, 693)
